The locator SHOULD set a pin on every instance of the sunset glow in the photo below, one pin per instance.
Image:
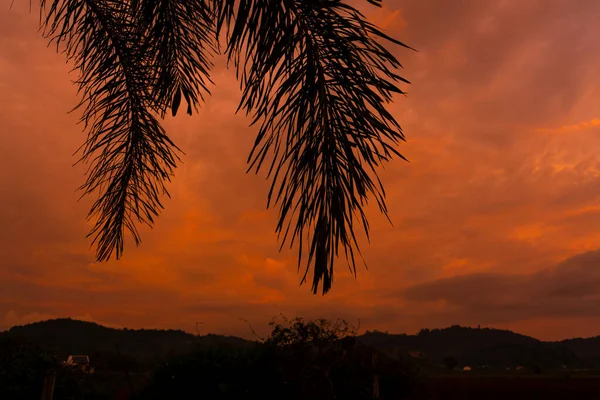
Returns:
(496, 219)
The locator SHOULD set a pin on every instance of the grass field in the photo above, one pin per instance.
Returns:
(552, 387)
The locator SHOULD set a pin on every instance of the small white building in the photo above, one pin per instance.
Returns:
(417, 354)
(78, 360)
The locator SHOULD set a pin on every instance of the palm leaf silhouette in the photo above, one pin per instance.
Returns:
(315, 78)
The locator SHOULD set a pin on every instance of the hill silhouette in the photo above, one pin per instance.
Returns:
(469, 346)
(448, 342)
(487, 347)
(65, 336)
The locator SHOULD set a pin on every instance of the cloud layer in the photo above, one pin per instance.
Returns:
(568, 289)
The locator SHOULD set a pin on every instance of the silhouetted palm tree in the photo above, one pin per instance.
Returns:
(313, 74)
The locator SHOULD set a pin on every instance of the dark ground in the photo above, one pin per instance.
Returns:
(512, 388)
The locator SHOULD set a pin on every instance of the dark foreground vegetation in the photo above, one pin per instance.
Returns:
(299, 360)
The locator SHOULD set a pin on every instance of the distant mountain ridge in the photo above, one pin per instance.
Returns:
(65, 336)
(485, 346)
(470, 346)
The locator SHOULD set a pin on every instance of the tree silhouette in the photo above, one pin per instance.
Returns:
(450, 362)
(313, 75)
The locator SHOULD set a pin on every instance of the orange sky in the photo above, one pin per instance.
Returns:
(496, 218)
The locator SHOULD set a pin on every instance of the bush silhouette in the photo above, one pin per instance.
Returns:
(450, 363)
(305, 360)
(22, 369)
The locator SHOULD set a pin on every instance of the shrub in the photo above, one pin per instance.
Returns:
(308, 360)
(22, 369)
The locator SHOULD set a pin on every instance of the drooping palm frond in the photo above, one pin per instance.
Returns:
(181, 41)
(131, 156)
(313, 74)
(317, 79)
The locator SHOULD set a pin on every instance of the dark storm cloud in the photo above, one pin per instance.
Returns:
(569, 289)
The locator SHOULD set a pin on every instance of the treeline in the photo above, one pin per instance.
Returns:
(489, 348)
(300, 360)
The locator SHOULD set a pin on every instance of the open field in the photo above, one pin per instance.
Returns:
(513, 388)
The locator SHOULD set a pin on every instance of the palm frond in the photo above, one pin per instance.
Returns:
(181, 41)
(313, 74)
(317, 79)
(130, 155)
